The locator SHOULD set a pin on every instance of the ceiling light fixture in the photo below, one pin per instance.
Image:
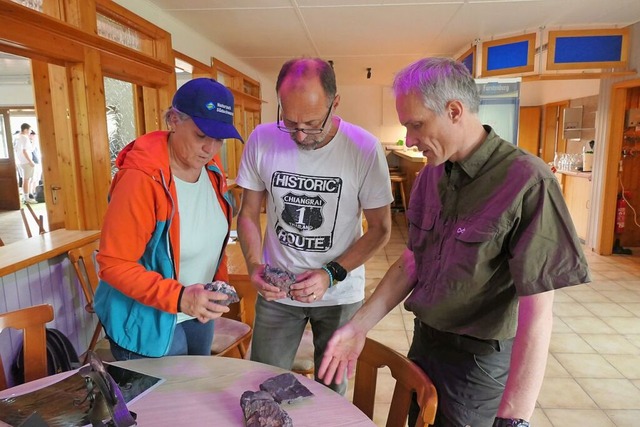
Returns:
(368, 73)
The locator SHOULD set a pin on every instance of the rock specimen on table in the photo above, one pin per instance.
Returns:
(260, 410)
(225, 288)
(285, 388)
(276, 276)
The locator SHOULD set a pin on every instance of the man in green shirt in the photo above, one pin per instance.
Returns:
(490, 238)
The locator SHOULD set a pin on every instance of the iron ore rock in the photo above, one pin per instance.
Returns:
(260, 410)
(225, 288)
(276, 276)
(285, 388)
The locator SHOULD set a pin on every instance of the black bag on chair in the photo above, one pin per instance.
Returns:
(40, 193)
(61, 356)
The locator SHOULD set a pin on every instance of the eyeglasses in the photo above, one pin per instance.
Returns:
(311, 131)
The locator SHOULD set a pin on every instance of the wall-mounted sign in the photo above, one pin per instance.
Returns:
(500, 105)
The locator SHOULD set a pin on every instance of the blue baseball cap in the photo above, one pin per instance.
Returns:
(210, 105)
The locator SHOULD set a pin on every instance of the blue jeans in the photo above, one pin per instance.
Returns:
(278, 329)
(189, 338)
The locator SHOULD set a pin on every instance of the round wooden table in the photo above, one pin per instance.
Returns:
(204, 390)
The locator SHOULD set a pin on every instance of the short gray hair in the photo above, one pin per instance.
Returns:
(439, 80)
(166, 116)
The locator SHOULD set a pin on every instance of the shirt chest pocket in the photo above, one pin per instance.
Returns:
(477, 241)
(421, 238)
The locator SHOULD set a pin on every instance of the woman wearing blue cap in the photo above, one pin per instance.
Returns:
(165, 231)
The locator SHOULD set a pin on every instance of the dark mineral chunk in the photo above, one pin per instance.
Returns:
(260, 410)
(285, 388)
(225, 288)
(276, 276)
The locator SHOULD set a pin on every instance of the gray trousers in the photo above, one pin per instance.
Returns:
(278, 330)
(469, 375)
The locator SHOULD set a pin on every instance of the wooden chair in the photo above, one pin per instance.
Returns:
(82, 259)
(409, 379)
(245, 311)
(398, 182)
(231, 338)
(39, 220)
(32, 321)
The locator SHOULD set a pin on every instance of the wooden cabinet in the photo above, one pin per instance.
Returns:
(576, 188)
(529, 129)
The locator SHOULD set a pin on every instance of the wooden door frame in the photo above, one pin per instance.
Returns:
(560, 105)
(612, 155)
(83, 164)
(13, 197)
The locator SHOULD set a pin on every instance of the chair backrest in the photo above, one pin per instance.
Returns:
(409, 379)
(82, 259)
(245, 310)
(39, 220)
(32, 321)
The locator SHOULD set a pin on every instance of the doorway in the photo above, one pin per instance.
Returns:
(552, 136)
(16, 107)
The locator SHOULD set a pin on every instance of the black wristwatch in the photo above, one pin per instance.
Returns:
(510, 422)
(337, 271)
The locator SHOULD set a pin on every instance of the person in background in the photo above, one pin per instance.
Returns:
(166, 229)
(16, 157)
(489, 240)
(37, 170)
(320, 174)
(24, 149)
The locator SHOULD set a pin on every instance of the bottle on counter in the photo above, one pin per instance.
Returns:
(587, 161)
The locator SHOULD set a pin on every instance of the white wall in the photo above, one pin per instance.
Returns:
(373, 108)
(545, 92)
(16, 95)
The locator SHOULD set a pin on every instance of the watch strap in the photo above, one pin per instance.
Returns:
(338, 272)
(510, 422)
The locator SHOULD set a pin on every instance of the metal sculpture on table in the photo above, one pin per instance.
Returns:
(108, 406)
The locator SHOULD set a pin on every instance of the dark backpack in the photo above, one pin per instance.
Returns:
(61, 356)
(40, 193)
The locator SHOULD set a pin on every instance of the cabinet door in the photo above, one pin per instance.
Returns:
(529, 129)
(577, 191)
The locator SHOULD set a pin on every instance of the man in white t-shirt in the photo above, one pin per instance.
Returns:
(319, 174)
(24, 151)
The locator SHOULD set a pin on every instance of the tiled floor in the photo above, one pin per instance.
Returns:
(593, 371)
(12, 226)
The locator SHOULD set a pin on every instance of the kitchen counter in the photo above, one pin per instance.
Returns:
(24, 253)
(577, 174)
(410, 155)
(410, 162)
(576, 189)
